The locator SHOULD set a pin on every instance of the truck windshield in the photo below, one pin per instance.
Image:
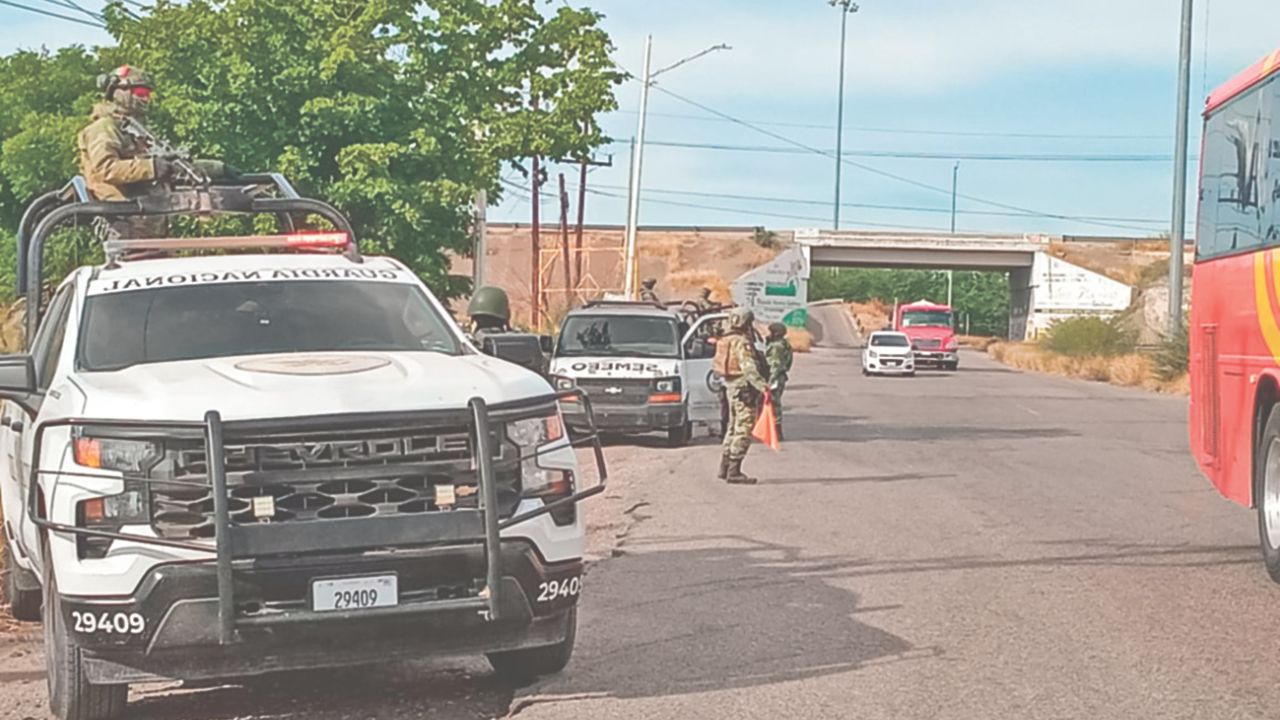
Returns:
(255, 318)
(619, 336)
(930, 318)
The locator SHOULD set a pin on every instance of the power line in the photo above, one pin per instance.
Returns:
(869, 206)
(48, 13)
(911, 131)
(886, 174)
(71, 5)
(916, 155)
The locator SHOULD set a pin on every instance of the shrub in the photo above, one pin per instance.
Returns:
(1083, 336)
(765, 238)
(1171, 357)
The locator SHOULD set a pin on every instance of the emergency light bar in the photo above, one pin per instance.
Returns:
(316, 240)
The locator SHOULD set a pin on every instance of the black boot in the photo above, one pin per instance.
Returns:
(735, 476)
(724, 467)
(778, 425)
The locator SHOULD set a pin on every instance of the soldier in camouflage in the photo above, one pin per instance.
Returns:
(736, 362)
(115, 164)
(647, 292)
(703, 302)
(779, 355)
(490, 312)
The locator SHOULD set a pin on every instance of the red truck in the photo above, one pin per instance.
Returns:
(931, 328)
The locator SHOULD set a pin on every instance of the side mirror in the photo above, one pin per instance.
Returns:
(18, 380)
(548, 344)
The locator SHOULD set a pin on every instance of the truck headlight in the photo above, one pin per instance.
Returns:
(667, 385)
(129, 456)
(126, 508)
(531, 435)
(562, 383)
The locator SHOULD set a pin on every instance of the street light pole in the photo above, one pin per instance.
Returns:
(637, 160)
(955, 181)
(1178, 229)
(847, 8)
(630, 261)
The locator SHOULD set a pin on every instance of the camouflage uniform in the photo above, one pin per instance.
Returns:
(737, 363)
(647, 293)
(115, 166)
(703, 302)
(779, 355)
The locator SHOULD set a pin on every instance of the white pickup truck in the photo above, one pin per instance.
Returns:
(284, 455)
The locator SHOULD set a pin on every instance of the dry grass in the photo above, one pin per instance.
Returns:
(693, 280)
(800, 339)
(978, 342)
(870, 316)
(1131, 370)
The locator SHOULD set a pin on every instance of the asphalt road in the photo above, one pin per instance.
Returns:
(983, 544)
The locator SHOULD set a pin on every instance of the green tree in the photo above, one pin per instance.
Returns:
(397, 111)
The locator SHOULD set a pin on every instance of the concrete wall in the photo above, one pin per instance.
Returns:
(1061, 290)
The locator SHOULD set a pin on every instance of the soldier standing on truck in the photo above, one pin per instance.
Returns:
(647, 293)
(119, 164)
(736, 362)
(779, 355)
(704, 300)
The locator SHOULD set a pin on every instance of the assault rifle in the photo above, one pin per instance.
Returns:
(188, 173)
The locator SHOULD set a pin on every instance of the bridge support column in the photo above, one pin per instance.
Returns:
(1020, 292)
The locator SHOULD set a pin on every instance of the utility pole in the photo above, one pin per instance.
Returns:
(481, 251)
(535, 282)
(564, 242)
(1178, 228)
(955, 181)
(637, 158)
(847, 8)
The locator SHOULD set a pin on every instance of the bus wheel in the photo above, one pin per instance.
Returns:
(1267, 495)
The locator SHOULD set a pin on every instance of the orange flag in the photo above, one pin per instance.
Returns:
(766, 429)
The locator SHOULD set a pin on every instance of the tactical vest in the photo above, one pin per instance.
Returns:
(726, 360)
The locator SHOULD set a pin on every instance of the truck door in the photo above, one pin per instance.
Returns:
(45, 350)
(703, 386)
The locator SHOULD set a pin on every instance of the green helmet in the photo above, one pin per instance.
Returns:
(118, 87)
(777, 330)
(706, 292)
(740, 318)
(490, 303)
(649, 283)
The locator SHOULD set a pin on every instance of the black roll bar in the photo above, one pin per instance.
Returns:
(73, 202)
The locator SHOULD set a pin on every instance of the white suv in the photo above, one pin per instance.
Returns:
(226, 465)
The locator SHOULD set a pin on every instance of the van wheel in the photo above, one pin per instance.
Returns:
(1267, 493)
(71, 695)
(532, 663)
(24, 601)
(680, 436)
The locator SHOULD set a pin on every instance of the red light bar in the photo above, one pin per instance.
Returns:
(226, 242)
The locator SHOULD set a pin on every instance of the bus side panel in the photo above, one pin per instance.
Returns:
(1228, 355)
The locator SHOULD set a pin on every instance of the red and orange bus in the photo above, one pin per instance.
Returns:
(1235, 308)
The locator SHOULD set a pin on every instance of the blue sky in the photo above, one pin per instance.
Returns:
(982, 77)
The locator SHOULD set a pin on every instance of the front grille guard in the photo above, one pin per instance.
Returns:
(246, 542)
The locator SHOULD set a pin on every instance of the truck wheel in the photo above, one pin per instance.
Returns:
(71, 695)
(530, 664)
(680, 436)
(24, 602)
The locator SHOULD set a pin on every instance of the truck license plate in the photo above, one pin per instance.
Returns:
(355, 593)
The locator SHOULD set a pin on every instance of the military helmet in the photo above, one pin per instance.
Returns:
(740, 318)
(125, 76)
(706, 292)
(649, 283)
(777, 330)
(491, 303)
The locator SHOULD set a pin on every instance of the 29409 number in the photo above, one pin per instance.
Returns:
(108, 623)
(555, 589)
(355, 599)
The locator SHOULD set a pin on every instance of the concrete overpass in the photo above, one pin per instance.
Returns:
(920, 250)
(1042, 288)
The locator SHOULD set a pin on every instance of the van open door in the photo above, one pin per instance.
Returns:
(699, 349)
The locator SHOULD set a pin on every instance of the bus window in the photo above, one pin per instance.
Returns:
(1233, 193)
(1271, 176)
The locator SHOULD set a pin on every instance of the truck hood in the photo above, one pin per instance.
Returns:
(302, 384)
(615, 367)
